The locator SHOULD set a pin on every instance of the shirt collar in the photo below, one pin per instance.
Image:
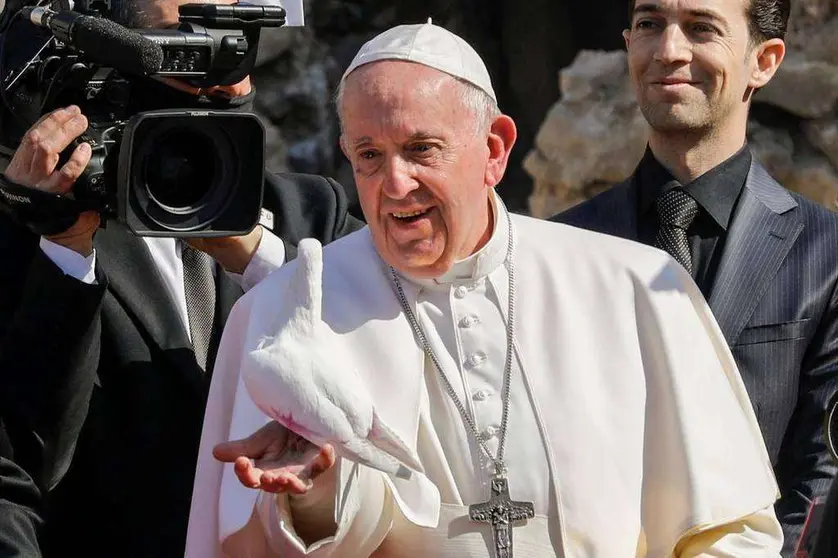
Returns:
(716, 191)
(484, 261)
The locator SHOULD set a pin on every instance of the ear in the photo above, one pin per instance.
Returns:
(501, 138)
(627, 37)
(769, 55)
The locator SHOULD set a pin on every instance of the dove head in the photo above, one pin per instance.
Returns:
(427, 143)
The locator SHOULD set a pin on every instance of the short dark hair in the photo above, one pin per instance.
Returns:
(767, 19)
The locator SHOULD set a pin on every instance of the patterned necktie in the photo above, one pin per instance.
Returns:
(199, 287)
(676, 211)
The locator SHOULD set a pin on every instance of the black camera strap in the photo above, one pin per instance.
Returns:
(41, 212)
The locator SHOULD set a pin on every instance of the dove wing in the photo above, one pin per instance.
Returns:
(372, 436)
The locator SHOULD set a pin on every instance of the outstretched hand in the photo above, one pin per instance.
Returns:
(276, 460)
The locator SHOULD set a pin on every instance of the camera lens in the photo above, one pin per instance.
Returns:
(184, 172)
(181, 169)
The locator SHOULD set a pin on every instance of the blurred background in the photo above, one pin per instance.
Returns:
(559, 69)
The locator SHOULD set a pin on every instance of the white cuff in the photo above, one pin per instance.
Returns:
(71, 262)
(269, 256)
(362, 510)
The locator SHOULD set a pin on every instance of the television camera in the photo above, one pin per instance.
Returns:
(183, 170)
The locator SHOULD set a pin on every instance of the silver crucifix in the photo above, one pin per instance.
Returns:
(501, 512)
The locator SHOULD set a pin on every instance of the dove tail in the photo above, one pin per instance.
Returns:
(384, 438)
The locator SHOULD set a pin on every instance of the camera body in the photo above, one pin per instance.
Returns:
(163, 167)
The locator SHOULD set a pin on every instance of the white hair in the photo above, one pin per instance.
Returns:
(478, 102)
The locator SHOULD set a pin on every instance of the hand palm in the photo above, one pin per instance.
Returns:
(275, 459)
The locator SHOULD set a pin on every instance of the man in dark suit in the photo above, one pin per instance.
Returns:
(766, 259)
(104, 368)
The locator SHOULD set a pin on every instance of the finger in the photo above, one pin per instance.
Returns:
(321, 463)
(57, 117)
(254, 446)
(50, 137)
(62, 180)
(247, 474)
(229, 452)
(284, 481)
(20, 166)
(273, 482)
(296, 485)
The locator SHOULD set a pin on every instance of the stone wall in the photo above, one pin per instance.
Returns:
(595, 135)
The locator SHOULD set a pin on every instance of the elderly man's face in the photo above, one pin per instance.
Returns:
(691, 61)
(420, 166)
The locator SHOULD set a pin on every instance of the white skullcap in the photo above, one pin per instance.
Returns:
(429, 45)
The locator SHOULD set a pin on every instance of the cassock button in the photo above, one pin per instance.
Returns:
(461, 291)
(476, 359)
(482, 395)
(469, 321)
(490, 432)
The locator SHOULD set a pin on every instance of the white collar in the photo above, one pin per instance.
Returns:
(484, 261)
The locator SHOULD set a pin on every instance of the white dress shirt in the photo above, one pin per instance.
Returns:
(166, 254)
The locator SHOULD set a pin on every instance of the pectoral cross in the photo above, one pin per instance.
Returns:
(501, 511)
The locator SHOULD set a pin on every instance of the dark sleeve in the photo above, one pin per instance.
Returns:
(805, 468)
(308, 206)
(49, 351)
(827, 538)
(20, 506)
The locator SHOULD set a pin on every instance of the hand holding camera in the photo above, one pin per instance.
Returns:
(37, 164)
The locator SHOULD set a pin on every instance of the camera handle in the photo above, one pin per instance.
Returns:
(41, 212)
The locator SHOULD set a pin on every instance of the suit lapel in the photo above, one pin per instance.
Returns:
(136, 282)
(763, 230)
(617, 212)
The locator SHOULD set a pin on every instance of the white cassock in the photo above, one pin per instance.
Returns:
(629, 429)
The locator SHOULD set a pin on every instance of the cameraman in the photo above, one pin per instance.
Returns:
(99, 378)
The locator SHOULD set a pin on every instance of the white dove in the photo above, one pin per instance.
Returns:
(299, 378)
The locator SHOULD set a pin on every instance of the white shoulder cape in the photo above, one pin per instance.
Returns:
(651, 435)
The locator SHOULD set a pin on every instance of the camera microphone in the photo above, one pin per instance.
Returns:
(101, 40)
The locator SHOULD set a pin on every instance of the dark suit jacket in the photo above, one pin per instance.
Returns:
(19, 511)
(775, 297)
(827, 539)
(100, 388)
